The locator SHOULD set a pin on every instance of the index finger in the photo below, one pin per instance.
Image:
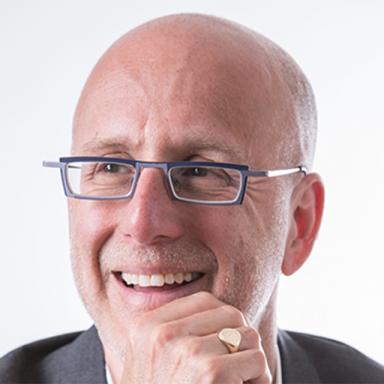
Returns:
(185, 306)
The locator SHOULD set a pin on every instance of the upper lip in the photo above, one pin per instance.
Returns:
(155, 270)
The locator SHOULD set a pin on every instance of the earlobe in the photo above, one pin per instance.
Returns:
(305, 217)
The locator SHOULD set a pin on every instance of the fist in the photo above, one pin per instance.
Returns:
(178, 343)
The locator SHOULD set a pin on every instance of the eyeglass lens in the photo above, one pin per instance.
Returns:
(206, 183)
(110, 179)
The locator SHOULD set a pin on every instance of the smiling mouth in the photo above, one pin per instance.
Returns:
(165, 281)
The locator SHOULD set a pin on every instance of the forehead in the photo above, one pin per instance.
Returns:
(168, 100)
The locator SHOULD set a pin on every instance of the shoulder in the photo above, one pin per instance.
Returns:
(334, 361)
(73, 357)
(30, 356)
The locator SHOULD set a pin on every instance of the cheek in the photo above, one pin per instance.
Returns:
(89, 223)
(249, 246)
(89, 226)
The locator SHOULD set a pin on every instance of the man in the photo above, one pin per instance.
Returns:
(176, 248)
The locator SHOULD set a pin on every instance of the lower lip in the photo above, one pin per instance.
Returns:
(149, 298)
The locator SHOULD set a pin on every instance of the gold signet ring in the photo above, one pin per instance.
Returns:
(231, 338)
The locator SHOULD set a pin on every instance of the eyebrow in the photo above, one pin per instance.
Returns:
(103, 144)
(215, 147)
(190, 145)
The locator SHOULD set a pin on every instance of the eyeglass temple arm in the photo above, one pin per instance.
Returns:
(52, 164)
(273, 173)
(278, 172)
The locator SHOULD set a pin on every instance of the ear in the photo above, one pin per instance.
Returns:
(306, 211)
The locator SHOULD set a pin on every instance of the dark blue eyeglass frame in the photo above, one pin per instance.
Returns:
(167, 167)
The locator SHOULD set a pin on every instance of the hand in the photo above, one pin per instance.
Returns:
(178, 343)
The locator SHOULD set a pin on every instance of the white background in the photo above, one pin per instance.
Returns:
(47, 49)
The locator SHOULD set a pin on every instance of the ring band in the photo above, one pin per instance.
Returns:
(231, 338)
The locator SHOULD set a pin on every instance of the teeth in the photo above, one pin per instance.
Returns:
(134, 279)
(169, 278)
(144, 280)
(158, 280)
(179, 278)
(188, 277)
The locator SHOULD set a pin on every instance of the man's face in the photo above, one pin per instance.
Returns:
(163, 112)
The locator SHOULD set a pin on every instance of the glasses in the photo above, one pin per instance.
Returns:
(105, 178)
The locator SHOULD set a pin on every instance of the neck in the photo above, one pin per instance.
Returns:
(267, 327)
(268, 335)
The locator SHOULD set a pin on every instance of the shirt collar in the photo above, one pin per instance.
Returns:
(108, 375)
(278, 372)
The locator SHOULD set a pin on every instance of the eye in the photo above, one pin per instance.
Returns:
(196, 171)
(111, 168)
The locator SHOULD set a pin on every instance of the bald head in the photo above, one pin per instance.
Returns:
(175, 71)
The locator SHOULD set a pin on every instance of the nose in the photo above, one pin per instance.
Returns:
(151, 216)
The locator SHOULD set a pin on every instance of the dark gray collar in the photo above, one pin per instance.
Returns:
(295, 363)
(81, 361)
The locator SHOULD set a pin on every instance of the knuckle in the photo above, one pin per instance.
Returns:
(253, 337)
(211, 370)
(203, 295)
(267, 379)
(234, 314)
(192, 347)
(162, 335)
(260, 359)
